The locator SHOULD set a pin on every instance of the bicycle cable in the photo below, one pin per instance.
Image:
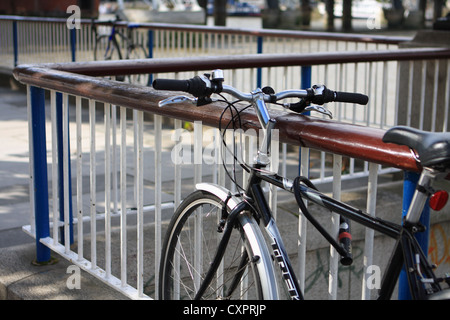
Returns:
(232, 122)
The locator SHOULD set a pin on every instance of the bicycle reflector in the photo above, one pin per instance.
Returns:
(438, 200)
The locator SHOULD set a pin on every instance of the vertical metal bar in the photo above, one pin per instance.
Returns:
(302, 221)
(93, 184)
(65, 200)
(79, 178)
(158, 193)
(15, 43)
(73, 43)
(135, 144)
(107, 190)
(409, 187)
(68, 221)
(151, 35)
(114, 181)
(369, 237)
(177, 201)
(140, 204)
(334, 257)
(40, 172)
(422, 93)
(435, 95)
(31, 162)
(274, 163)
(177, 170)
(305, 77)
(259, 50)
(355, 89)
(123, 196)
(410, 90)
(55, 165)
(397, 95)
(384, 96)
(198, 215)
(447, 99)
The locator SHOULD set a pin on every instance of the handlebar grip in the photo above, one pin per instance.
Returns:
(196, 86)
(351, 97)
(345, 240)
(171, 85)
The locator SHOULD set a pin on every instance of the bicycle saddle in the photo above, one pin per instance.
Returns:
(433, 148)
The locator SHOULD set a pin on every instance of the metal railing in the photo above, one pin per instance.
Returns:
(106, 157)
(40, 40)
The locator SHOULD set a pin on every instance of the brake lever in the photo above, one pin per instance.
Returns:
(177, 99)
(319, 109)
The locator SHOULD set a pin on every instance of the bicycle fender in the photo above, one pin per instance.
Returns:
(220, 192)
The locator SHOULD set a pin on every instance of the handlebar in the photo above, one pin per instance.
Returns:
(205, 85)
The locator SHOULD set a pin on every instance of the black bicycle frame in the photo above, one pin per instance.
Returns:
(257, 199)
(406, 247)
(405, 252)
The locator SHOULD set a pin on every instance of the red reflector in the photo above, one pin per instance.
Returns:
(438, 200)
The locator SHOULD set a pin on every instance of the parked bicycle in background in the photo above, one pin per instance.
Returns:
(109, 45)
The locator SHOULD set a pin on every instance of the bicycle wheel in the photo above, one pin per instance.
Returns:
(137, 52)
(191, 243)
(106, 49)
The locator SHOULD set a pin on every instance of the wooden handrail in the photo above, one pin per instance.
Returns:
(124, 67)
(330, 136)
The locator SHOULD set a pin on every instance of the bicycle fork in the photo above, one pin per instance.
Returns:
(279, 252)
(281, 257)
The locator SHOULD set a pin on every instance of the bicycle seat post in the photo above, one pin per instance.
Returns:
(421, 194)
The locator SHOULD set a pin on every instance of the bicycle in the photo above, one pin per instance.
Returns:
(230, 259)
(107, 47)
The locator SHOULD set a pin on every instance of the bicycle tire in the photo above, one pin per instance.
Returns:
(245, 240)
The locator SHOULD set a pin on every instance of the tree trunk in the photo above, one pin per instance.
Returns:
(305, 12)
(220, 12)
(347, 15)
(273, 4)
(437, 12)
(329, 6)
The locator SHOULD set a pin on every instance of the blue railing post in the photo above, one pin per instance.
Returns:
(259, 50)
(15, 43)
(306, 77)
(151, 35)
(59, 128)
(409, 187)
(73, 43)
(41, 209)
(305, 82)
